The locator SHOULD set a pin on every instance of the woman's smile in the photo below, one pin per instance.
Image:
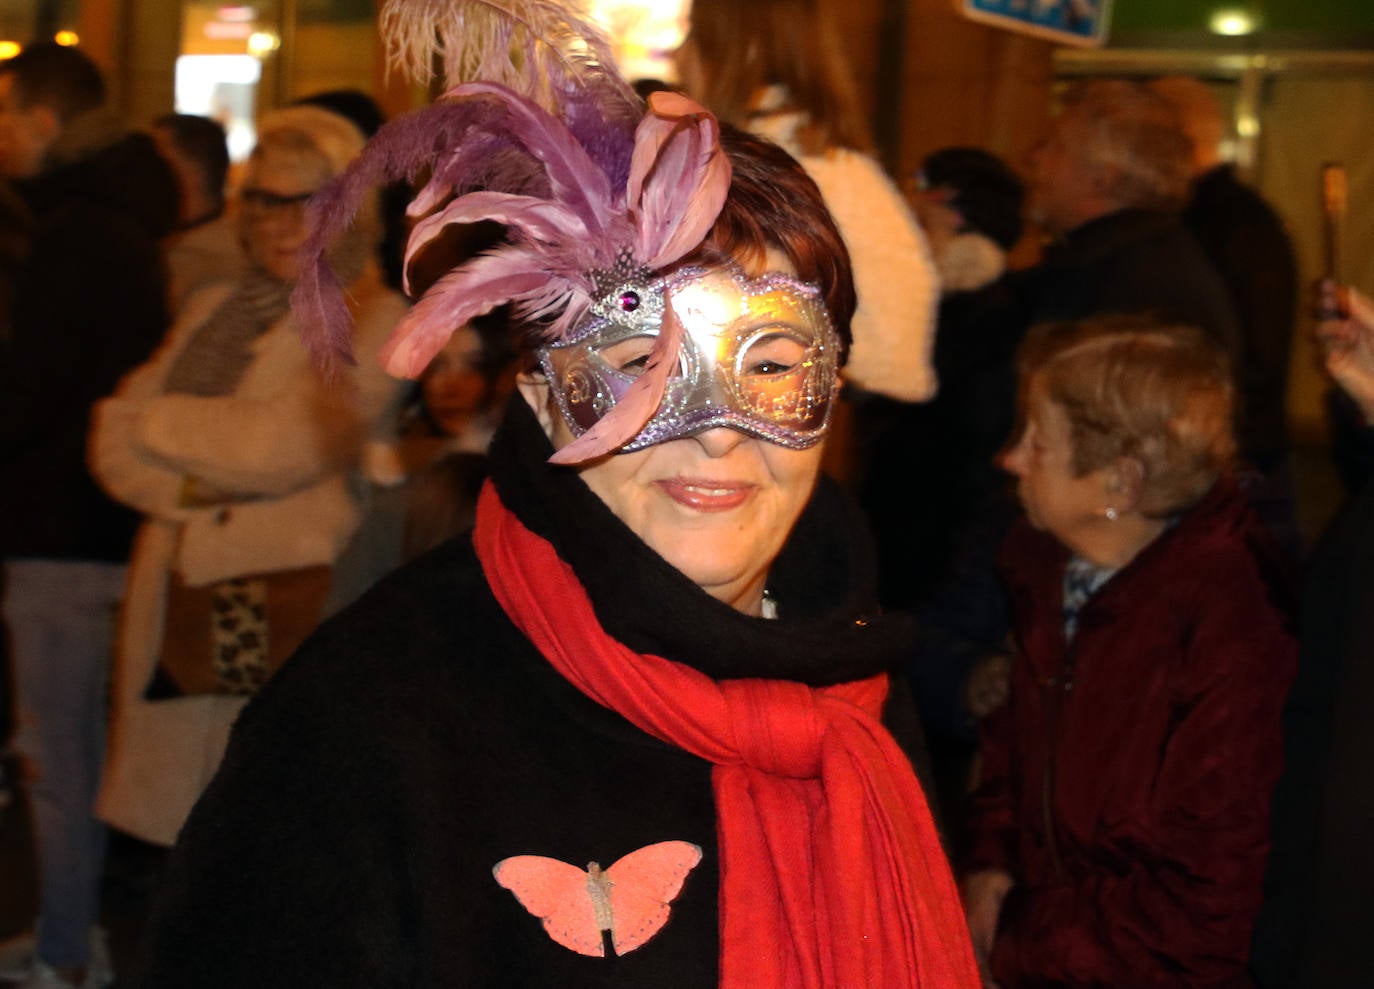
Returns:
(706, 494)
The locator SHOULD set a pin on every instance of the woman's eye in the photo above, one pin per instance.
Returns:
(629, 357)
(776, 353)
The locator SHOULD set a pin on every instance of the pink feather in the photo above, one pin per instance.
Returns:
(637, 406)
(679, 178)
(468, 291)
(538, 219)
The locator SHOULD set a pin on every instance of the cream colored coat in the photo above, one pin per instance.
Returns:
(282, 450)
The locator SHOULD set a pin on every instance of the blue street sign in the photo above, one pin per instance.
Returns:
(1073, 22)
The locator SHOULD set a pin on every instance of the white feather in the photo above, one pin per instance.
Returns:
(535, 47)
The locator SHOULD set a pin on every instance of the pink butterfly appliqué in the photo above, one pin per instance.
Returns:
(630, 899)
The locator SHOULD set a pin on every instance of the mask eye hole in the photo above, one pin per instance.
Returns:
(771, 354)
(629, 356)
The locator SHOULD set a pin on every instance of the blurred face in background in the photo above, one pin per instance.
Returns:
(940, 220)
(276, 186)
(26, 132)
(1061, 179)
(454, 387)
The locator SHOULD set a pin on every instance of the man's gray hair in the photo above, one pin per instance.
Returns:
(1136, 138)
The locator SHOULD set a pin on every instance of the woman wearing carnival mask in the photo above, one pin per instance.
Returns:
(632, 732)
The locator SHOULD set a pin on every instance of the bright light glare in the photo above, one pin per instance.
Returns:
(221, 87)
(9, 49)
(1232, 23)
(644, 33)
(67, 38)
(261, 43)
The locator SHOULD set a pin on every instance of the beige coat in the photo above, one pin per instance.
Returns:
(282, 449)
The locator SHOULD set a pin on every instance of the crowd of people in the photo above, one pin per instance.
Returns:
(759, 580)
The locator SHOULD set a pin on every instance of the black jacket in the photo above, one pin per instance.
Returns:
(88, 305)
(418, 739)
(1313, 930)
(1132, 262)
(1245, 241)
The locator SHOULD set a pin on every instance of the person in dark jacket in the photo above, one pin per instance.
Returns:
(1119, 835)
(1246, 242)
(969, 203)
(87, 306)
(1313, 930)
(1107, 183)
(630, 732)
(204, 248)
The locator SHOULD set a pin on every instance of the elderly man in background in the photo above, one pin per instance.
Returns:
(1245, 240)
(88, 304)
(1107, 184)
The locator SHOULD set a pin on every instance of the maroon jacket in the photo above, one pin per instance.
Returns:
(1127, 782)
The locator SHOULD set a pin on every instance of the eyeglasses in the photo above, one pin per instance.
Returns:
(267, 203)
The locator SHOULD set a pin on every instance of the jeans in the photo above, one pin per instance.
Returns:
(60, 615)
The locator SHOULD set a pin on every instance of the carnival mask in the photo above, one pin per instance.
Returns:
(755, 354)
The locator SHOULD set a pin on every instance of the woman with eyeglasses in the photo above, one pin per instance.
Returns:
(242, 459)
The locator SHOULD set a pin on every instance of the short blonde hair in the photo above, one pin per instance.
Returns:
(1136, 134)
(297, 128)
(309, 135)
(1135, 387)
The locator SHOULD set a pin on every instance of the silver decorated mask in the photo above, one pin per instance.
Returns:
(757, 354)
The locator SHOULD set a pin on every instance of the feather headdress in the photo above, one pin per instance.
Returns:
(541, 134)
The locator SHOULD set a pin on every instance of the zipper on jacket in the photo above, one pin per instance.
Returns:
(1056, 687)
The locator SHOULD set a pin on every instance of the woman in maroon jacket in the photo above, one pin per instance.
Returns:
(1120, 830)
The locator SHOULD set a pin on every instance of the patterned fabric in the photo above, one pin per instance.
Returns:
(220, 351)
(1082, 579)
(238, 630)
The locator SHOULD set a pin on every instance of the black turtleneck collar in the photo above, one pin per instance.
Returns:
(829, 629)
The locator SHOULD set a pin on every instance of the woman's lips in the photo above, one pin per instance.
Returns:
(705, 495)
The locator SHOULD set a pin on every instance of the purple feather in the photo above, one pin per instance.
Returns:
(398, 151)
(575, 179)
(317, 302)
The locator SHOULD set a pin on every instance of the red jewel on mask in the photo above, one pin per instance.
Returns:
(628, 301)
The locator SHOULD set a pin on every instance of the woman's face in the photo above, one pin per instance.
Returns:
(1057, 499)
(272, 224)
(453, 387)
(940, 221)
(717, 505)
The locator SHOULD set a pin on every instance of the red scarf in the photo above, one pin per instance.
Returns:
(832, 874)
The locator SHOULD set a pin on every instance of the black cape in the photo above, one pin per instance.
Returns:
(418, 739)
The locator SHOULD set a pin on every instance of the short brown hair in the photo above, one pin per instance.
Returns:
(58, 77)
(1136, 387)
(773, 203)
